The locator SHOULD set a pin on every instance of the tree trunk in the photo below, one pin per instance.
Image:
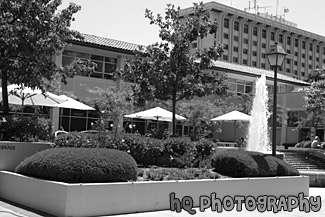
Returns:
(174, 114)
(4, 85)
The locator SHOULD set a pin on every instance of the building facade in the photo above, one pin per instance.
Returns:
(247, 37)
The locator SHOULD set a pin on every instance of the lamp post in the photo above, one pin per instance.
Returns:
(275, 56)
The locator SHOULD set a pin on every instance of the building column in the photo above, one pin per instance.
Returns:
(55, 117)
(231, 38)
(259, 44)
(299, 58)
(221, 27)
(250, 42)
(240, 42)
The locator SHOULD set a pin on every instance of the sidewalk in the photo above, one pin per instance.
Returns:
(8, 209)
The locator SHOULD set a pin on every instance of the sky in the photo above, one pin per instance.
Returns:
(124, 20)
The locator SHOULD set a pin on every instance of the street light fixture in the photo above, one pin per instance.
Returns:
(275, 56)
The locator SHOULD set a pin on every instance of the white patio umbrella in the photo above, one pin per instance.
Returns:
(155, 114)
(72, 103)
(233, 116)
(21, 95)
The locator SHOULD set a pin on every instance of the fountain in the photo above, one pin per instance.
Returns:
(258, 136)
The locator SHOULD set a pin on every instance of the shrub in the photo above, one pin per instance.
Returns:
(163, 174)
(26, 128)
(80, 165)
(239, 163)
(171, 152)
(76, 140)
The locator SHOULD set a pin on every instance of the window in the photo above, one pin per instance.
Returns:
(254, 63)
(255, 31)
(194, 45)
(236, 49)
(288, 40)
(225, 47)
(302, 73)
(287, 70)
(245, 51)
(105, 66)
(303, 55)
(263, 45)
(296, 53)
(310, 57)
(281, 38)
(263, 33)
(225, 57)
(317, 48)
(272, 36)
(303, 45)
(263, 55)
(225, 35)
(255, 43)
(226, 23)
(246, 28)
(288, 51)
(296, 42)
(310, 66)
(245, 40)
(235, 38)
(310, 47)
(245, 61)
(235, 59)
(236, 26)
(296, 72)
(302, 64)
(239, 86)
(263, 65)
(324, 50)
(254, 53)
(295, 63)
(288, 61)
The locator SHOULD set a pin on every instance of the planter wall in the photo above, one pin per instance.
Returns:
(12, 153)
(61, 199)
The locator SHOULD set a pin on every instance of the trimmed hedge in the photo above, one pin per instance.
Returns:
(239, 163)
(172, 152)
(80, 165)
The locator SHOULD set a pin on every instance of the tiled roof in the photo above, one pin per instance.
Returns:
(107, 42)
(258, 72)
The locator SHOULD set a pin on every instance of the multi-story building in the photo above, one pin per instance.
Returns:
(247, 38)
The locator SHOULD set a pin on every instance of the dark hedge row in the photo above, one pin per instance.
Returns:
(239, 163)
(80, 165)
(171, 152)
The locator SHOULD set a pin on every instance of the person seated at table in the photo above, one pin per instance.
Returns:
(316, 143)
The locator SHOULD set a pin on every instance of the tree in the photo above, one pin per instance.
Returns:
(31, 32)
(112, 104)
(315, 100)
(169, 70)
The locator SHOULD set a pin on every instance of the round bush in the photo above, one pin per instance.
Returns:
(239, 163)
(80, 165)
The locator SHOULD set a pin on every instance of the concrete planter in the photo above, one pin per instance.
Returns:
(62, 199)
(12, 153)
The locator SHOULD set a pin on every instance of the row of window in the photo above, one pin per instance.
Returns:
(264, 34)
(105, 66)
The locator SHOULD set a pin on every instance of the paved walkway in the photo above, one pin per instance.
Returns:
(8, 209)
